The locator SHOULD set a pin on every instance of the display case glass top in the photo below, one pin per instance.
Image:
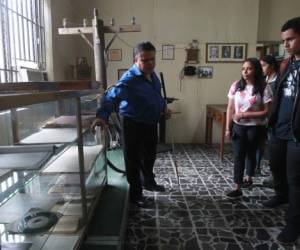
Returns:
(50, 165)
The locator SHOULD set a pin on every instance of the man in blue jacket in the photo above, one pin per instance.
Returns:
(137, 98)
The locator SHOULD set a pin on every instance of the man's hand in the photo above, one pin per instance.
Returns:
(98, 122)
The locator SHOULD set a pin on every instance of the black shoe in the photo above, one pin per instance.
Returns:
(289, 234)
(247, 184)
(275, 202)
(154, 187)
(234, 194)
(142, 202)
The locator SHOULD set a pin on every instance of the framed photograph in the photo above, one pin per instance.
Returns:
(168, 52)
(114, 54)
(226, 52)
(205, 72)
(121, 72)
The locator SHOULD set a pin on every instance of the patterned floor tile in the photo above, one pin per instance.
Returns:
(194, 212)
(142, 236)
(174, 218)
(142, 218)
(208, 218)
(171, 202)
(200, 202)
(178, 239)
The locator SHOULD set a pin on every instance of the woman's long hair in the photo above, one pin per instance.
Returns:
(271, 60)
(259, 83)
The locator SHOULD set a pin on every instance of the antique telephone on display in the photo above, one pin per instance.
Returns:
(192, 52)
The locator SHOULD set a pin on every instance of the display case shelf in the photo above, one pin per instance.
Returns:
(66, 181)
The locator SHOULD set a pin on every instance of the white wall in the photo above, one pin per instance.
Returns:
(178, 22)
(273, 14)
(60, 50)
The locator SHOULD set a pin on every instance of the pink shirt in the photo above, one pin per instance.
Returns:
(244, 101)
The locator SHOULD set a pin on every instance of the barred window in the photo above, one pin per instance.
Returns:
(22, 38)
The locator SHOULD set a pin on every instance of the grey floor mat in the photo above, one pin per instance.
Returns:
(67, 121)
(23, 161)
(52, 135)
(15, 246)
(68, 161)
(28, 148)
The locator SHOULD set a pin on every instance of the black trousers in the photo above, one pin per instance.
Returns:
(285, 167)
(245, 141)
(259, 153)
(139, 145)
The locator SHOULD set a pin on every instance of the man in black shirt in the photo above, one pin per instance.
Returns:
(285, 140)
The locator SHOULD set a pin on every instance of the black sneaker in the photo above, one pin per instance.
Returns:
(289, 234)
(154, 187)
(234, 194)
(275, 202)
(247, 183)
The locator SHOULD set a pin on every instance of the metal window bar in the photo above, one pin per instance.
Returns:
(8, 46)
(22, 35)
(18, 182)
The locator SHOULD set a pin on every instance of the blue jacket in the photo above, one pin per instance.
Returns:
(134, 96)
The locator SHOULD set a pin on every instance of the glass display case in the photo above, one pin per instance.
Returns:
(52, 168)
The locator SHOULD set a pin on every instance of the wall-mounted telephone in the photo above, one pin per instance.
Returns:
(189, 70)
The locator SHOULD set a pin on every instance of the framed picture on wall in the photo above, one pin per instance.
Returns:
(121, 72)
(168, 52)
(226, 52)
(205, 72)
(114, 54)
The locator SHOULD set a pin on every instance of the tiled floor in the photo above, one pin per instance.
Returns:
(195, 214)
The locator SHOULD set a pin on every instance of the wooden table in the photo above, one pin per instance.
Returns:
(215, 112)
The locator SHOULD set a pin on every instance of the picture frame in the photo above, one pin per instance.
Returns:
(114, 55)
(205, 72)
(121, 72)
(226, 52)
(168, 52)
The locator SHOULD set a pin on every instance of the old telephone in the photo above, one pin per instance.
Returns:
(189, 70)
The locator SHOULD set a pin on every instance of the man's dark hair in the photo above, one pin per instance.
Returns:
(143, 46)
(293, 23)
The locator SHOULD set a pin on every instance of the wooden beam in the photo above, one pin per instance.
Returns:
(30, 87)
(122, 28)
(10, 101)
(75, 30)
(107, 29)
